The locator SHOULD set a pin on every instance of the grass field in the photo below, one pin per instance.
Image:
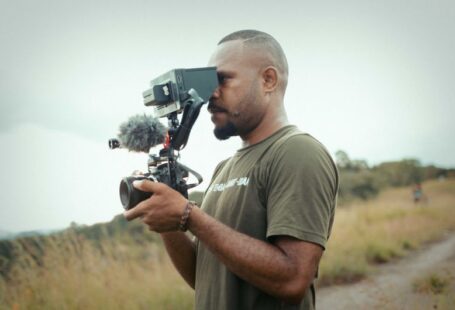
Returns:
(72, 273)
(79, 275)
(385, 228)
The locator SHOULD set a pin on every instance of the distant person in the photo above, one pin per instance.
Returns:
(417, 193)
(267, 214)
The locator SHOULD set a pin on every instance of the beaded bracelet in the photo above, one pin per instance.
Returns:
(186, 214)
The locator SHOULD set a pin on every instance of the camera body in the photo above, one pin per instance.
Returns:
(158, 172)
(169, 91)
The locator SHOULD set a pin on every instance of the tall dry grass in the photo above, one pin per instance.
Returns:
(387, 227)
(75, 274)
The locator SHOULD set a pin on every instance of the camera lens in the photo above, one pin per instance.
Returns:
(129, 195)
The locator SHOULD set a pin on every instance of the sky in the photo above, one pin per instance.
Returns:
(373, 78)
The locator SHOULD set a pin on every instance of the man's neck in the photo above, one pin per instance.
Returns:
(265, 129)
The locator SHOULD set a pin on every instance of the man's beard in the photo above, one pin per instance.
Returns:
(225, 132)
(244, 124)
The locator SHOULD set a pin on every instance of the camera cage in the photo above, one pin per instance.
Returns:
(175, 92)
(165, 167)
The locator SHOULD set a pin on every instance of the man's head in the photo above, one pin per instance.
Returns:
(253, 72)
(269, 50)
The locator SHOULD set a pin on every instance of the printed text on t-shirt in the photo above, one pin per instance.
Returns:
(219, 187)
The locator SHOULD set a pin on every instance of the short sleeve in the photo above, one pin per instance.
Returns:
(302, 183)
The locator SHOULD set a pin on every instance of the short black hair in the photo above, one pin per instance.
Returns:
(262, 40)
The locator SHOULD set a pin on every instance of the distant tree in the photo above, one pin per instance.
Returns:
(357, 184)
(345, 163)
(342, 160)
(359, 164)
(400, 173)
(356, 179)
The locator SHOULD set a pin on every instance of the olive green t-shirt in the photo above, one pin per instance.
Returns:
(283, 185)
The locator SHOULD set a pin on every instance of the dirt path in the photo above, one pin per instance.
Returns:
(392, 286)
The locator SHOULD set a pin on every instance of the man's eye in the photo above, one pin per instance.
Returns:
(221, 78)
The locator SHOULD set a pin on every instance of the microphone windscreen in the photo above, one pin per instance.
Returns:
(141, 132)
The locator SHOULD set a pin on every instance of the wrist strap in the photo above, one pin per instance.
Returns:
(186, 214)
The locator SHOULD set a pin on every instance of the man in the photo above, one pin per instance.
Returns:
(266, 217)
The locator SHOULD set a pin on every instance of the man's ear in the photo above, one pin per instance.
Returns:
(270, 79)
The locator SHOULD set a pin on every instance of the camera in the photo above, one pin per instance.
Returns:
(179, 91)
(160, 169)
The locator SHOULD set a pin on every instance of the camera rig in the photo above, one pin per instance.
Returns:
(177, 91)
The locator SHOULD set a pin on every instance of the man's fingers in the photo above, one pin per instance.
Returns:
(133, 213)
(146, 186)
(141, 208)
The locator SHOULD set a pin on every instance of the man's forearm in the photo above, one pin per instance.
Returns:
(262, 264)
(183, 254)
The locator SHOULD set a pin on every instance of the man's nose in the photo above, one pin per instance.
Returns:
(216, 93)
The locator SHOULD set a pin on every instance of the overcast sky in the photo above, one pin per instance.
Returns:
(373, 78)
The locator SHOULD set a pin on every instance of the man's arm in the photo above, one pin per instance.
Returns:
(283, 269)
(182, 253)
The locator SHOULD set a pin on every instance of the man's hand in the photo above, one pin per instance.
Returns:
(162, 211)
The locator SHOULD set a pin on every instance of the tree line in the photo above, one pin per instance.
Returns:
(359, 180)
